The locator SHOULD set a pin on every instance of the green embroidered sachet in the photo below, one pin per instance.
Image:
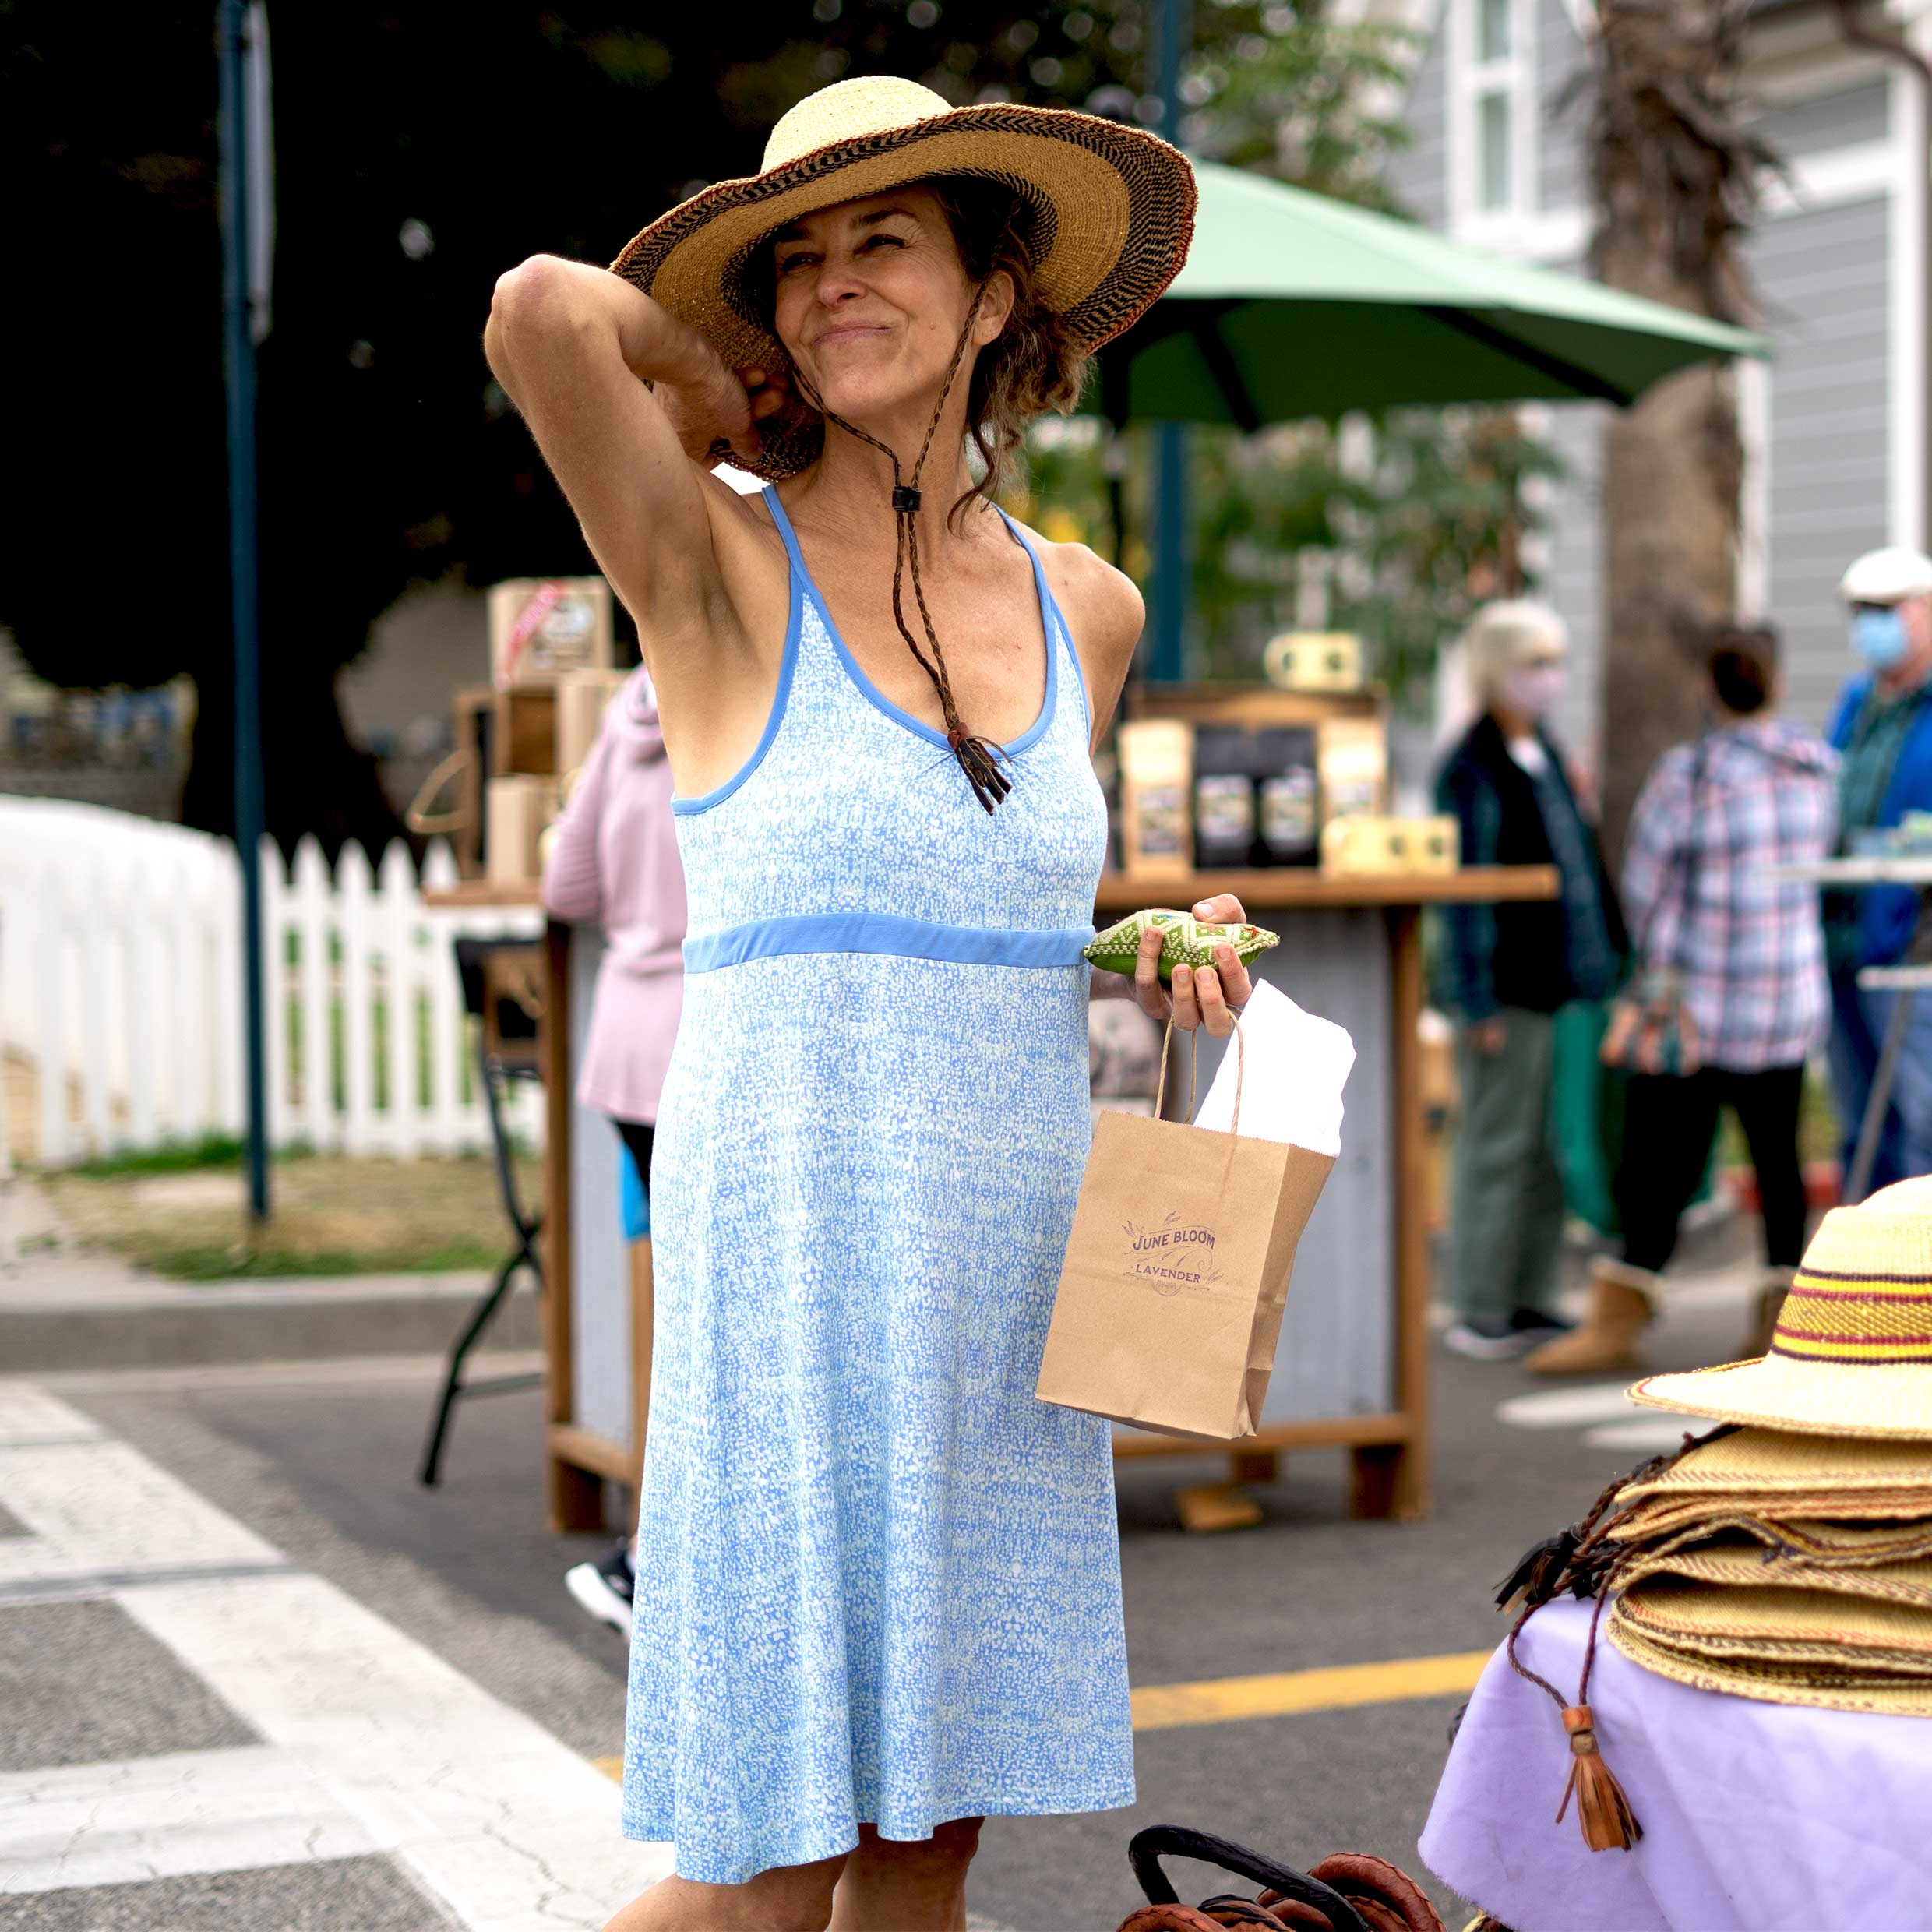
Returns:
(1185, 941)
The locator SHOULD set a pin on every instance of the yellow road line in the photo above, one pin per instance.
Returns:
(1163, 1707)
(1166, 1707)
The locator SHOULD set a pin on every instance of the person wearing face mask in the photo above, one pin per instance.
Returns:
(1883, 730)
(1504, 971)
(1737, 947)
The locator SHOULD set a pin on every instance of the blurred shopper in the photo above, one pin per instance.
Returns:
(1505, 970)
(1730, 964)
(615, 863)
(1883, 730)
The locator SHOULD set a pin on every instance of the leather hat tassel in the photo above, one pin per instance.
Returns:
(1609, 1824)
(1604, 1812)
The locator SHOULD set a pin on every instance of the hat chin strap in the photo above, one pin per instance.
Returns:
(986, 767)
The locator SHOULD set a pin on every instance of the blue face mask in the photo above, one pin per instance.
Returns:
(1878, 636)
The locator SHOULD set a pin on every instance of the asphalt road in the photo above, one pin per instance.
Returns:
(321, 1474)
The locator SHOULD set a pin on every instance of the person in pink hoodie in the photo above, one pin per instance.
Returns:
(615, 864)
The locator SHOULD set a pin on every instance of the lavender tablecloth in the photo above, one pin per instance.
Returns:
(1756, 1817)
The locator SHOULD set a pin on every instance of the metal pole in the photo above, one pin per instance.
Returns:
(1878, 1103)
(238, 356)
(1167, 662)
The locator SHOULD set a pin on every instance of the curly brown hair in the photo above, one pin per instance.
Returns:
(1033, 366)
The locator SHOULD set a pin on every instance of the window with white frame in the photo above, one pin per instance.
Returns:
(1491, 78)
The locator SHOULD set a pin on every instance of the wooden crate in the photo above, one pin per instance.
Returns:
(498, 734)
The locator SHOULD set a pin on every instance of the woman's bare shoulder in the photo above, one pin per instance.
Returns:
(1101, 603)
(1105, 615)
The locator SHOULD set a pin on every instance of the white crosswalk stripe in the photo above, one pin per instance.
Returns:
(166, 1816)
(370, 1741)
(1603, 1413)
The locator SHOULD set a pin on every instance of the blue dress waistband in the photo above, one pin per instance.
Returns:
(887, 933)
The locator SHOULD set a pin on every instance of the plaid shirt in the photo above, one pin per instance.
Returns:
(1751, 949)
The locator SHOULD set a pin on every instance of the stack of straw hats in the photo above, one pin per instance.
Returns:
(1789, 1559)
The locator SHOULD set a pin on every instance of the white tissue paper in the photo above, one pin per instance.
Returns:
(1297, 1066)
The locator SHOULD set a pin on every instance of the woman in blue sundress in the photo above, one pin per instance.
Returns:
(879, 1593)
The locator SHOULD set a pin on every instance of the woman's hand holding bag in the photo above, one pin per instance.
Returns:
(1651, 1030)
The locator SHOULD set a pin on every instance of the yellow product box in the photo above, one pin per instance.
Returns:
(1352, 755)
(1368, 843)
(1156, 778)
(1313, 660)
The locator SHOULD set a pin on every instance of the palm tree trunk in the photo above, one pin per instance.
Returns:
(1673, 176)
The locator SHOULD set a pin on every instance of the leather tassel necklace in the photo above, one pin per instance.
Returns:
(986, 767)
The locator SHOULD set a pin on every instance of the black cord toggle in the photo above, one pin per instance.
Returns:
(905, 497)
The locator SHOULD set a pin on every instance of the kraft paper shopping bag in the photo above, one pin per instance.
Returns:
(1176, 1274)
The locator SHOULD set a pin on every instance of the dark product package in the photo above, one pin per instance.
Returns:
(1288, 797)
(1224, 796)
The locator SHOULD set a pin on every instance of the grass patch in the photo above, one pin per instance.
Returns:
(332, 1216)
(189, 1263)
(174, 1157)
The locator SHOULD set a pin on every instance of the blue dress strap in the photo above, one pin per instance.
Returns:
(791, 536)
(1049, 604)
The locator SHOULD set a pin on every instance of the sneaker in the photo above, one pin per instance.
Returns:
(1488, 1341)
(605, 1588)
(1535, 1322)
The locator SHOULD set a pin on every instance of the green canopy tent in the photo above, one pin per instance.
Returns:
(1293, 305)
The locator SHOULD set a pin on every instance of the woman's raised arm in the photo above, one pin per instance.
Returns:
(575, 349)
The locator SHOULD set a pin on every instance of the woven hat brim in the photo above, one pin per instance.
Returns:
(1774, 1513)
(1769, 1461)
(1812, 1685)
(1820, 1541)
(1113, 210)
(1872, 1663)
(1667, 1607)
(1907, 1584)
(1891, 1401)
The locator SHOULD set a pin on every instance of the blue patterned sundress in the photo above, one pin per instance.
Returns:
(877, 1580)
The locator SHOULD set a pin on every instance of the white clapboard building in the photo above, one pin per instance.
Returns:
(1834, 428)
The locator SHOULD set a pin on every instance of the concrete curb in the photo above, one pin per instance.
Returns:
(60, 1315)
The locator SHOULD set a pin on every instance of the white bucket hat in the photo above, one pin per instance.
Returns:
(1887, 577)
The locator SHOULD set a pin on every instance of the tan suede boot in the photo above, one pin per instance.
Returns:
(1623, 1304)
(1773, 1286)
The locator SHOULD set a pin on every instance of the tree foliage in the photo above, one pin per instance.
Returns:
(419, 151)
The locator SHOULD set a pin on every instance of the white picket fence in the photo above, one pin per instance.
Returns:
(121, 990)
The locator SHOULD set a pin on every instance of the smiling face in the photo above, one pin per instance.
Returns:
(870, 297)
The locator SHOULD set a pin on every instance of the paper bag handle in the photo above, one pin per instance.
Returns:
(1193, 1068)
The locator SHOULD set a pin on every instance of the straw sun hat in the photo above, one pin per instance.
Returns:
(1852, 1352)
(1108, 212)
(1780, 1646)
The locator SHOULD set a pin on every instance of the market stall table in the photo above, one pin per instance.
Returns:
(1352, 1371)
(1910, 977)
(1756, 1818)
